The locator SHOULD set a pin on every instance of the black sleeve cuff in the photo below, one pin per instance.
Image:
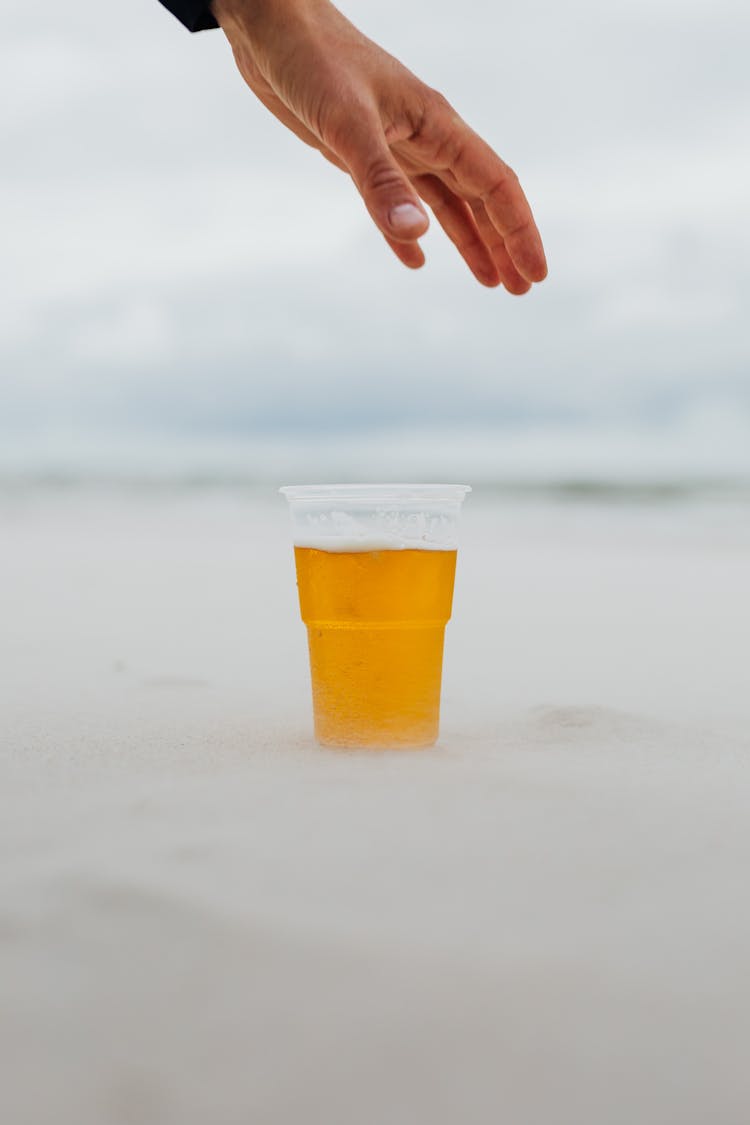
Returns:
(195, 14)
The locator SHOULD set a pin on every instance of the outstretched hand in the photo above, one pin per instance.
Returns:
(400, 141)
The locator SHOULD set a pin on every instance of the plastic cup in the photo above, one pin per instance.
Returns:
(375, 571)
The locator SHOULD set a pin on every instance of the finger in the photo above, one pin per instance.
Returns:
(511, 278)
(410, 253)
(482, 173)
(456, 219)
(510, 214)
(479, 173)
(386, 190)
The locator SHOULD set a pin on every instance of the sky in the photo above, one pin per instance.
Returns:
(181, 278)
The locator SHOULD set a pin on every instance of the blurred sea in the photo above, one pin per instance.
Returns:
(698, 460)
(725, 493)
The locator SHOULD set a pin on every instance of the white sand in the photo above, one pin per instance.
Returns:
(204, 918)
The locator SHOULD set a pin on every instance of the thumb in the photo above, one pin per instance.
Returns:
(388, 195)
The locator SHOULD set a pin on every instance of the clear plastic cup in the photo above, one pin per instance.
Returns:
(375, 571)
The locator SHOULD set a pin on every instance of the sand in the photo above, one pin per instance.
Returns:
(205, 918)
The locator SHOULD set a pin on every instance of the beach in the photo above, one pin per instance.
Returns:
(206, 917)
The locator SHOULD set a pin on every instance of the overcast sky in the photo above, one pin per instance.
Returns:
(174, 262)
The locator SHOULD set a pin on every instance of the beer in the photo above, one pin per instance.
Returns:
(375, 622)
(375, 570)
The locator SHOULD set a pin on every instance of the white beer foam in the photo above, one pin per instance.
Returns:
(339, 545)
(367, 527)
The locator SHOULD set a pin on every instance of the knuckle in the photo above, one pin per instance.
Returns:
(437, 102)
(381, 175)
(428, 114)
(503, 191)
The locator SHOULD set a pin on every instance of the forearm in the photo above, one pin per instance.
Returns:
(272, 25)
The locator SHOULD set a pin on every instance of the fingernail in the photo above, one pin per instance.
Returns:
(405, 216)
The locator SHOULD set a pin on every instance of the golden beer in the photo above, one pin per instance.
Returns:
(375, 622)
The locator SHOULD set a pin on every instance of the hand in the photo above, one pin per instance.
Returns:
(398, 139)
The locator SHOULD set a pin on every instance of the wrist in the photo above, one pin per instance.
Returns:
(248, 15)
